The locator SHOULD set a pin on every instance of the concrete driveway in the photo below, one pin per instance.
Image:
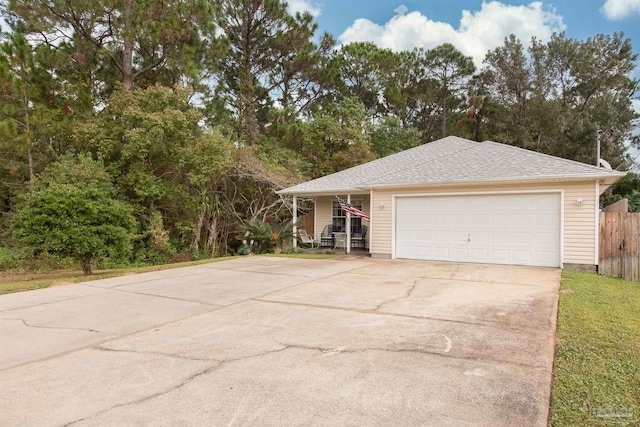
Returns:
(278, 341)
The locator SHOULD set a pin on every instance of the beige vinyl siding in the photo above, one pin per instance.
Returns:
(580, 224)
(324, 207)
(579, 221)
(323, 213)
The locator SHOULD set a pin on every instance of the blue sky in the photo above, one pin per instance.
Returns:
(401, 24)
(582, 18)
(473, 26)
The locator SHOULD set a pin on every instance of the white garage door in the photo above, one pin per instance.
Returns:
(522, 229)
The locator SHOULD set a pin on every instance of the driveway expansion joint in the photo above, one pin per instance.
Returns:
(453, 279)
(114, 289)
(485, 323)
(48, 327)
(94, 284)
(444, 354)
(55, 301)
(155, 353)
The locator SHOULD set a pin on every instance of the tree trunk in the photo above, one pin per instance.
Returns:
(252, 125)
(213, 235)
(248, 105)
(27, 130)
(247, 86)
(127, 54)
(32, 174)
(195, 244)
(85, 263)
(444, 115)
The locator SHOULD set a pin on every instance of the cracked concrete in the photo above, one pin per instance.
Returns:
(407, 295)
(276, 341)
(47, 327)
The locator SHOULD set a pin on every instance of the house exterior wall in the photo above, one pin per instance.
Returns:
(324, 215)
(579, 223)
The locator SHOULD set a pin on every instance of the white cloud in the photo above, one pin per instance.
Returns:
(401, 10)
(618, 9)
(478, 32)
(302, 6)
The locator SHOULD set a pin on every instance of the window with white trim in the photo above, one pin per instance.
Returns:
(339, 217)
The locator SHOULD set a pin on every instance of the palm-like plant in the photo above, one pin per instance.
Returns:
(260, 237)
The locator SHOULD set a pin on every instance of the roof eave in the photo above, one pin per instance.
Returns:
(315, 193)
(609, 178)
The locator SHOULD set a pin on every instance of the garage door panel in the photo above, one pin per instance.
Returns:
(441, 253)
(478, 237)
(522, 257)
(479, 255)
(547, 220)
(500, 219)
(522, 219)
(522, 238)
(440, 220)
(459, 220)
(510, 229)
(498, 237)
(500, 256)
(549, 240)
(479, 219)
(458, 237)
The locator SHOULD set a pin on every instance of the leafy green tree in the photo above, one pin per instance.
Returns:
(363, 67)
(336, 139)
(72, 211)
(161, 159)
(407, 91)
(129, 39)
(628, 187)
(390, 137)
(268, 50)
(451, 71)
(555, 97)
(34, 120)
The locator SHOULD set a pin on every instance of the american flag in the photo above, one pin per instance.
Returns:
(353, 210)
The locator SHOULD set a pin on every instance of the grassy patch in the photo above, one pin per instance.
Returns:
(16, 282)
(597, 365)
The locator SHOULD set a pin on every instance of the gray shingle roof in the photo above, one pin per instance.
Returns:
(451, 160)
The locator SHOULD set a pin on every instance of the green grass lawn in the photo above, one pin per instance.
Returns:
(597, 365)
(12, 281)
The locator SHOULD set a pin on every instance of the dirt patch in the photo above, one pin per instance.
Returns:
(55, 285)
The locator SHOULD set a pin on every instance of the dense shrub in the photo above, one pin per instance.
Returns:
(10, 258)
(71, 211)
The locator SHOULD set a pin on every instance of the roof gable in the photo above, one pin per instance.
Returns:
(453, 160)
(490, 161)
(350, 179)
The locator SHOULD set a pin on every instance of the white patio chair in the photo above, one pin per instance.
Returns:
(308, 239)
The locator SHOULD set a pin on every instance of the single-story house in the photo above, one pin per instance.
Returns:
(459, 200)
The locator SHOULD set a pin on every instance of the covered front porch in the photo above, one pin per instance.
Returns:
(330, 226)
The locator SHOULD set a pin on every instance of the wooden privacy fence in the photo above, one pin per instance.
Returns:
(620, 245)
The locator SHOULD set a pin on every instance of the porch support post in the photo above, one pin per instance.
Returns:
(295, 221)
(348, 230)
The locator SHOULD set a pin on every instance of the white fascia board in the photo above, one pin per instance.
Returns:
(522, 180)
(315, 193)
